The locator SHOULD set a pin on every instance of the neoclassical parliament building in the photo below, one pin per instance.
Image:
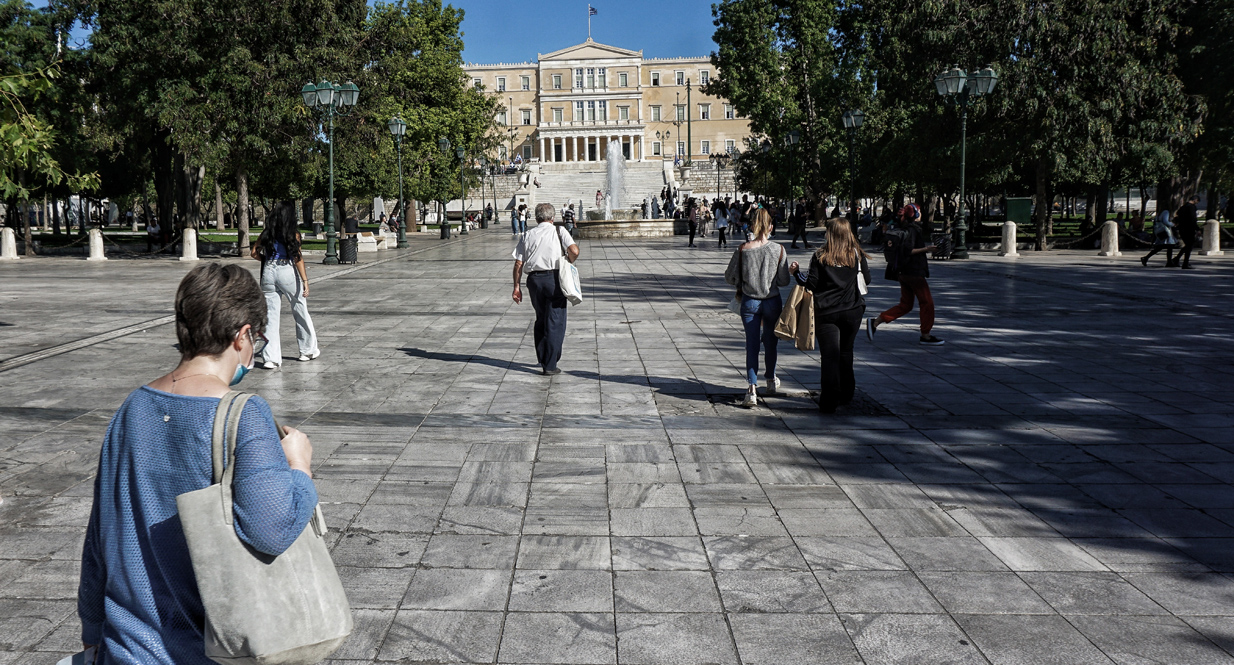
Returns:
(570, 105)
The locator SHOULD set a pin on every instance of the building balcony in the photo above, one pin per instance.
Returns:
(588, 124)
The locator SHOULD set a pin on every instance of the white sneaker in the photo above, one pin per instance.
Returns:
(751, 399)
(268, 365)
(773, 385)
(310, 356)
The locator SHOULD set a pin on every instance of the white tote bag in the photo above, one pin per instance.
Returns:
(567, 276)
(862, 287)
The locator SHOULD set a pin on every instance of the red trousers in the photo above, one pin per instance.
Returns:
(910, 288)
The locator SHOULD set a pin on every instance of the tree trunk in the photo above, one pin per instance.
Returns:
(1090, 212)
(55, 218)
(164, 180)
(1103, 212)
(1214, 202)
(218, 206)
(242, 210)
(1043, 205)
(27, 232)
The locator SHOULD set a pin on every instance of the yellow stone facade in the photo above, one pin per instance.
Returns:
(569, 105)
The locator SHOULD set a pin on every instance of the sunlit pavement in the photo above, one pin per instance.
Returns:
(1052, 485)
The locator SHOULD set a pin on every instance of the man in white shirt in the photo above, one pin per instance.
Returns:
(537, 252)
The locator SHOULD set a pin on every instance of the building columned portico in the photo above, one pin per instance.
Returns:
(570, 105)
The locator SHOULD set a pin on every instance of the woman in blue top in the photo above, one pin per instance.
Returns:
(138, 599)
(283, 276)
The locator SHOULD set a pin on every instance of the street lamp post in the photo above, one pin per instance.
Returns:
(484, 171)
(720, 160)
(852, 122)
(689, 129)
(734, 155)
(332, 99)
(461, 152)
(793, 138)
(398, 128)
(443, 144)
(766, 148)
(959, 86)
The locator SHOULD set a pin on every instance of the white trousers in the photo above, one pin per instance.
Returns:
(278, 279)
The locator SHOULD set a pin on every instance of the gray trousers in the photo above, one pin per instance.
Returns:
(279, 279)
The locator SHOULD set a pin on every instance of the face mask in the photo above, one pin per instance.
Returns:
(241, 370)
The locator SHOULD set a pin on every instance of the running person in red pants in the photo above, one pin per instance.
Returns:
(913, 269)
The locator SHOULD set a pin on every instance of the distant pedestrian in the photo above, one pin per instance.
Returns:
(1187, 223)
(536, 254)
(721, 215)
(283, 276)
(838, 308)
(567, 218)
(1163, 238)
(692, 218)
(154, 235)
(907, 248)
(797, 226)
(514, 222)
(758, 269)
(599, 199)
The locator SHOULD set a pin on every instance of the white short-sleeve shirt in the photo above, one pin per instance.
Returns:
(541, 246)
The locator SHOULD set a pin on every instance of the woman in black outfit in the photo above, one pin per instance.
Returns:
(838, 308)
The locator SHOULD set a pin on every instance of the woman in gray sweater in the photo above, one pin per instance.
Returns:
(758, 269)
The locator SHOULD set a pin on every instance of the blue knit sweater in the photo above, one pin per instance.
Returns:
(138, 596)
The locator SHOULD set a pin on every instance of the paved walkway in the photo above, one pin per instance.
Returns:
(1052, 486)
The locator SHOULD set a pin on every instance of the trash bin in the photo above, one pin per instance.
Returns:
(348, 250)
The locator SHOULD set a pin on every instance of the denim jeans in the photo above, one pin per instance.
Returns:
(279, 280)
(759, 318)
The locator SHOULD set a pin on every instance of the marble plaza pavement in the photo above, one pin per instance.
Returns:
(1052, 486)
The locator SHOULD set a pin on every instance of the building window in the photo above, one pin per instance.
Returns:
(591, 111)
(578, 111)
(729, 114)
(704, 111)
(526, 81)
(603, 77)
(655, 114)
(623, 112)
(603, 110)
(557, 115)
(655, 148)
(681, 112)
(501, 118)
(622, 80)
(501, 84)
(556, 81)
(681, 147)
(655, 78)
(477, 83)
(729, 146)
(704, 77)
(526, 116)
(705, 147)
(681, 78)
(591, 77)
(578, 78)
(526, 153)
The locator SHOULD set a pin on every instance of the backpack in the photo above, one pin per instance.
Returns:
(896, 251)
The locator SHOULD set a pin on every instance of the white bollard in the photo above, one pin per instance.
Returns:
(8, 244)
(96, 246)
(1212, 239)
(1109, 239)
(188, 245)
(1009, 240)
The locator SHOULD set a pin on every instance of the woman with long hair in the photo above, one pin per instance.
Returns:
(838, 307)
(283, 275)
(758, 269)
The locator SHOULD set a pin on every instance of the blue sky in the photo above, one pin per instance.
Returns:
(503, 31)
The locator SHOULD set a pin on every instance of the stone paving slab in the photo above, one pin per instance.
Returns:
(1053, 485)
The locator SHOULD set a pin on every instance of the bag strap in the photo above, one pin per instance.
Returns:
(219, 435)
(740, 272)
(232, 433)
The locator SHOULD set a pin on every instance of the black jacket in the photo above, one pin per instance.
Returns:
(834, 287)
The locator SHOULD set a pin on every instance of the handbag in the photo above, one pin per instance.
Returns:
(734, 305)
(567, 276)
(862, 287)
(288, 609)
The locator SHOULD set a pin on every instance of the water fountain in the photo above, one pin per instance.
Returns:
(614, 221)
(614, 179)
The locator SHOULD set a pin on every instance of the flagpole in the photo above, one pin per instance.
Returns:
(588, 22)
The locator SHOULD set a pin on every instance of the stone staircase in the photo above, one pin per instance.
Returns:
(578, 182)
